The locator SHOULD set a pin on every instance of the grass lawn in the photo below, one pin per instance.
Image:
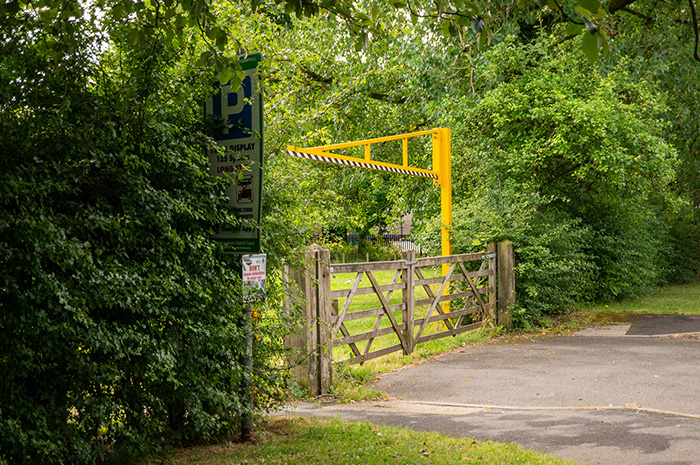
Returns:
(683, 298)
(292, 441)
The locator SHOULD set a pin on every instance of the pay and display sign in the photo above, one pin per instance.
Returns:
(242, 158)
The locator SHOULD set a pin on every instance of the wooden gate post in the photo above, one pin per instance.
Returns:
(324, 321)
(311, 364)
(491, 251)
(505, 262)
(302, 342)
(408, 277)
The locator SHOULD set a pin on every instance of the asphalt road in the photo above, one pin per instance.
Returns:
(621, 394)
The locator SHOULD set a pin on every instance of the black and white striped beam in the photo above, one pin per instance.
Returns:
(360, 164)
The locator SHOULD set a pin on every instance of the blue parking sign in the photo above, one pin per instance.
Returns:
(241, 156)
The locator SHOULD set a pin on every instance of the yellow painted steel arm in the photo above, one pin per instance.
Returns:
(441, 172)
(328, 157)
(376, 140)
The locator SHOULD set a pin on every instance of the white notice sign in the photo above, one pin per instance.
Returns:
(254, 276)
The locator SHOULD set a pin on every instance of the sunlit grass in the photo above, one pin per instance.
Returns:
(683, 298)
(292, 441)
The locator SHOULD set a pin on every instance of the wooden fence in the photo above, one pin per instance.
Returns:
(472, 290)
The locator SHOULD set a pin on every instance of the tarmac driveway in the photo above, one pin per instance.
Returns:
(621, 394)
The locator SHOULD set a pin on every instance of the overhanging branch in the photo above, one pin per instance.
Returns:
(695, 28)
(379, 95)
(616, 5)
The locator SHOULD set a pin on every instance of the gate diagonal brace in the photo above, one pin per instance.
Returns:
(360, 164)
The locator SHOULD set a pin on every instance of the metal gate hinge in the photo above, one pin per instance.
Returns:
(491, 255)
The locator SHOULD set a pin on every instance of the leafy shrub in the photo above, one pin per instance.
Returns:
(121, 321)
(628, 248)
(682, 255)
(570, 164)
(354, 253)
(554, 270)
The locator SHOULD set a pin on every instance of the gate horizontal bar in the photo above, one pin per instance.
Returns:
(451, 332)
(466, 257)
(371, 355)
(366, 336)
(328, 157)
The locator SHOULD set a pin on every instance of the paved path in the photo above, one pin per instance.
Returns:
(610, 395)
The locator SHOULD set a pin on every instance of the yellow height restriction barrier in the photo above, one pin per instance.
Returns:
(441, 172)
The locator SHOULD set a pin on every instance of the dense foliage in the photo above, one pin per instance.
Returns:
(121, 321)
(572, 165)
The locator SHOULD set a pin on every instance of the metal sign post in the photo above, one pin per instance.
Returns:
(242, 162)
(254, 275)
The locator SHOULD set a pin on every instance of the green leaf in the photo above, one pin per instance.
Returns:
(573, 29)
(590, 47)
(482, 40)
(464, 20)
(359, 44)
(204, 58)
(445, 27)
(600, 14)
(221, 39)
(453, 29)
(225, 75)
(118, 12)
(180, 22)
(363, 19)
(584, 12)
(590, 5)
(602, 40)
(135, 37)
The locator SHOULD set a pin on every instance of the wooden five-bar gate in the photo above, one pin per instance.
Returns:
(472, 290)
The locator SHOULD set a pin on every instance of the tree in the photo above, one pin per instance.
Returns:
(479, 23)
(572, 166)
(320, 90)
(121, 322)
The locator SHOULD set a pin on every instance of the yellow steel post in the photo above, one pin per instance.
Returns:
(442, 154)
(445, 154)
(404, 146)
